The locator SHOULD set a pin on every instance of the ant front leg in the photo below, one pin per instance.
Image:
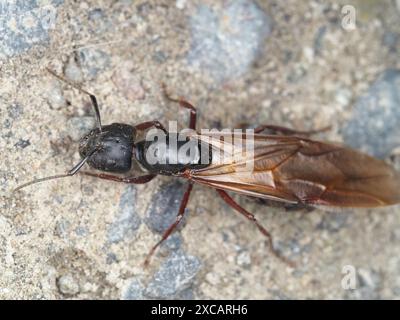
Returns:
(173, 226)
(252, 218)
(288, 131)
(184, 104)
(134, 180)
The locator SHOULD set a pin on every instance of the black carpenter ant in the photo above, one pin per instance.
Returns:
(287, 168)
(113, 148)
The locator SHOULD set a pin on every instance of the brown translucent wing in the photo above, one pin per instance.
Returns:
(296, 170)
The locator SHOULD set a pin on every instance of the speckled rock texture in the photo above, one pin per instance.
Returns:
(291, 63)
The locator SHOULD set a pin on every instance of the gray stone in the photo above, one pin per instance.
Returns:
(81, 231)
(77, 127)
(96, 14)
(72, 71)
(175, 275)
(165, 206)
(133, 291)
(391, 40)
(368, 285)
(186, 294)
(160, 56)
(93, 61)
(333, 221)
(5, 178)
(62, 228)
(15, 111)
(278, 295)
(98, 22)
(24, 24)
(318, 40)
(111, 258)
(225, 42)
(174, 242)
(22, 144)
(374, 127)
(292, 248)
(127, 220)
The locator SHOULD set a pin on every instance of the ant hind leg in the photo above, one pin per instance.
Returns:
(174, 225)
(288, 131)
(232, 203)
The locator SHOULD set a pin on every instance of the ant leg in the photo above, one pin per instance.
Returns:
(251, 217)
(289, 132)
(148, 124)
(184, 104)
(173, 226)
(92, 97)
(135, 180)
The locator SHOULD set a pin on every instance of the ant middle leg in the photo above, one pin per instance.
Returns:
(184, 104)
(134, 180)
(173, 226)
(92, 97)
(232, 203)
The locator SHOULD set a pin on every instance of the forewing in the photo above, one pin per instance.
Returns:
(296, 170)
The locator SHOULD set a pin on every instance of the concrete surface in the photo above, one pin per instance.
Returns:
(282, 62)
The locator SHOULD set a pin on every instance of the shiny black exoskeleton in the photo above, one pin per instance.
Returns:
(113, 147)
(169, 157)
(112, 150)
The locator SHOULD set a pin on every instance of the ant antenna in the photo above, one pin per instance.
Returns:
(92, 97)
(70, 173)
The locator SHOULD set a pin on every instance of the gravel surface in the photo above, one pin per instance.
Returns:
(294, 63)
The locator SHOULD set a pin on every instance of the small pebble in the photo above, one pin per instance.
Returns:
(68, 285)
(368, 285)
(72, 71)
(226, 42)
(55, 95)
(333, 221)
(164, 206)
(175, 275)
(128, 83)
(180, 4)
(343, 97)
(133, 291)
(77, 127)
(22, 144)
(127, 220)
(243, 259)
(93, 61)
(374, 126)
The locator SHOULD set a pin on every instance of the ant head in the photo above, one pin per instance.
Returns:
(109, 149)
(106, 148)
